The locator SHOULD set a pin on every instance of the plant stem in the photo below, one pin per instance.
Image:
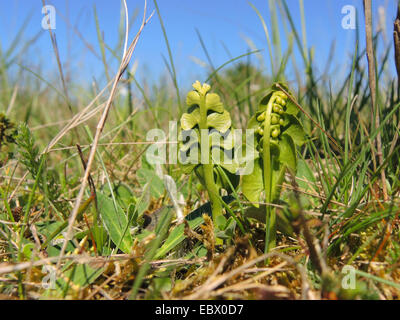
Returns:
(208, 169)
(396, 39)
(212, 189)
(270, 219)
(372, 85)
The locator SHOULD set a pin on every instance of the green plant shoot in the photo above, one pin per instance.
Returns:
(277, 132)
(206, 140)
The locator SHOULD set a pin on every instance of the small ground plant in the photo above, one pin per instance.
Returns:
(278, 132)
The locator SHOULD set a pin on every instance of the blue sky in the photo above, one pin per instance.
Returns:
(229, 23)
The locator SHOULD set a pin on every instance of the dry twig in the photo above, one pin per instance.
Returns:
(372, 86)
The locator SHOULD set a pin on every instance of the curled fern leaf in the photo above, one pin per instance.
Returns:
(206, 137)
(206, 142)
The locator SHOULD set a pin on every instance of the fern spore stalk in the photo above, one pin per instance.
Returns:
(272, 123)
(278, 131)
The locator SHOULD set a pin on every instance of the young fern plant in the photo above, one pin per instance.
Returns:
(277, 133)
(206, 142)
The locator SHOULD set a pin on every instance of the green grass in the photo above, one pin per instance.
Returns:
(126, 242)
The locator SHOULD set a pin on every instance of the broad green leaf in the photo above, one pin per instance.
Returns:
(220, 121)
(143, 202)
(81, 275)
(252, 184)
(190, 120)
(287, 154)
(291, 108)
(116, 222)
(213, 102)
(122, 192)
(193, 98)
(149, 176)
(176, 236)
(294, 129)
(306, 175)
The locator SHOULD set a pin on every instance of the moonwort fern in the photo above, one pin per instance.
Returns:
(278, 131)
(207, 144)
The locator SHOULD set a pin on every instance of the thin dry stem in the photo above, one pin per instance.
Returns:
(372, 86)
(396, 40)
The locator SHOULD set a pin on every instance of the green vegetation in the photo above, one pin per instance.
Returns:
(278, 132)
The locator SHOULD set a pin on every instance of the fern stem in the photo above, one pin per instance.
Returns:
(208, 168)
(212, 189)
(270, 219)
